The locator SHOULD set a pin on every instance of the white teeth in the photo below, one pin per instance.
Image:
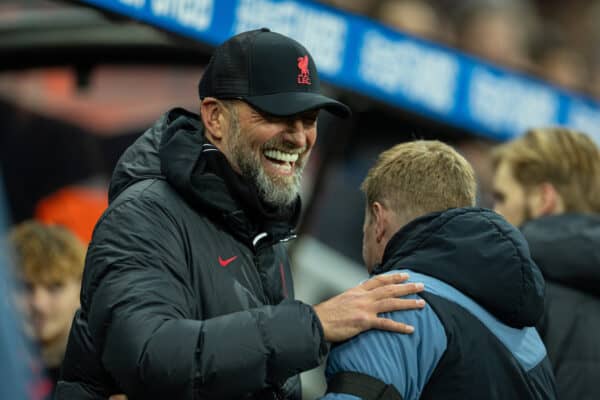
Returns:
(281, 156)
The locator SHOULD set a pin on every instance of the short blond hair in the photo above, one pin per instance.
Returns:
(419, 177)
(46, 254)
(567, 159)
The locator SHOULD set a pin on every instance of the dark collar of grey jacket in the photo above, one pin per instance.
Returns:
(476, 251)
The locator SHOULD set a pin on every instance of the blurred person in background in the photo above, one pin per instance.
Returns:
(360, 7)
(594, 86)
(475, 338)
(187, 291)
(592, 16)
(76, 207)
(559, 62)
(477, 152)
(22, 377)
(416, 17)
(496, 31)
(548, 183)
(49, 263)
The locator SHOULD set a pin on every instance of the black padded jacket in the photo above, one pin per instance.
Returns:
(187, 290)
(567, 250)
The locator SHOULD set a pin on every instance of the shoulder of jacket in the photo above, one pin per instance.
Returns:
(148, 194)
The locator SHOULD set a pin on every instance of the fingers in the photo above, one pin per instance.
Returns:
(397, 290)
(358, 309)
(382, 280)
(392, 326)
(389, 305)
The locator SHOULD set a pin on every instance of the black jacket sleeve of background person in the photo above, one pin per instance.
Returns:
(145, 300)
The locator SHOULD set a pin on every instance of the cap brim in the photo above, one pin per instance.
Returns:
(290, 103)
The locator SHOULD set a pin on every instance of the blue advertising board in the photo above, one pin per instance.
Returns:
(358, 54)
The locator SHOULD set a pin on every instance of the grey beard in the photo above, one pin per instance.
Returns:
(276, 194)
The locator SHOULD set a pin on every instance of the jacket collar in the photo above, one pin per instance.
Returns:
(476, 251)
(176, 150)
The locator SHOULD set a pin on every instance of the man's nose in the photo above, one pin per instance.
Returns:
(296, 132)
(39, 298)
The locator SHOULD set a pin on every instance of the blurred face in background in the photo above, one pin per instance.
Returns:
(510, 197)
(496, 36)
(412, 16)
(564, 67)
(354, 6)
(48, 308)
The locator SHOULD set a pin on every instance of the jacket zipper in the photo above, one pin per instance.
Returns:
(265, 298)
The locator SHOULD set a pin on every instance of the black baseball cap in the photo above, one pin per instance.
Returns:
(270, 71)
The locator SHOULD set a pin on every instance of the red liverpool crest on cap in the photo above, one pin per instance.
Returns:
(304, 75)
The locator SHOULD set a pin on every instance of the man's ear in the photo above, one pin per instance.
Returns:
(213, 119)
(545, 201)
(379, 215)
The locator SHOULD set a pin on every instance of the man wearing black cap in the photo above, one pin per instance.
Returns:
(187, 289)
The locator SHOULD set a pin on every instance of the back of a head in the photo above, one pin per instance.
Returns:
(419, 177)
(567, 159)
(46, 254)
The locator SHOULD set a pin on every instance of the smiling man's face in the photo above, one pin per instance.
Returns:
(271, 151)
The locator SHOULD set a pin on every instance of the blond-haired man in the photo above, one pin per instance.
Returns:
(475, 337)
(548, 183)
(49, 263)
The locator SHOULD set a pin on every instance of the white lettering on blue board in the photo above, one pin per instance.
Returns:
(586, 119)
(509, 104)
(322, 32)
(195, 14)
(423, 75)
(134, 3)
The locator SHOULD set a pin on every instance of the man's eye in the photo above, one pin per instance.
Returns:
(309, 119)
(271, 118)
(276, 120)
(55, 287)
(25, 287)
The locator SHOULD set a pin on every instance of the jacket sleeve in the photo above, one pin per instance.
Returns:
(405, 361)
(136, 291)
